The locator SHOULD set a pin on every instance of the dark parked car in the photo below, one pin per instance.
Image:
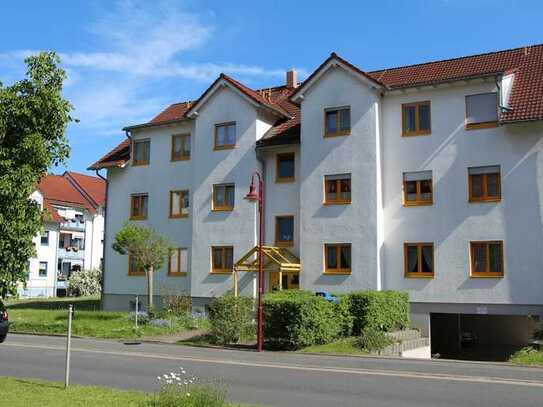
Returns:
(4, 324)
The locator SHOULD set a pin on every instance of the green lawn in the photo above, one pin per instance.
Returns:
(343, 345)
(29, 392)
(49, 316)
(528, 357)
(24, 392)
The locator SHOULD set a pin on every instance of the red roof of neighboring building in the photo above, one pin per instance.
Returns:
(72, 189)
(526, 100)
(94, 188)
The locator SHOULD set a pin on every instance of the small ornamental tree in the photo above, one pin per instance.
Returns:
(146, 247)
(33, 120)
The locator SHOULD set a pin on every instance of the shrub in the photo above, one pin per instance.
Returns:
(85, 283)
(383, 310)
(177, 303)
(231, 319)
(373, 339)
(343, 312)
(295, 319)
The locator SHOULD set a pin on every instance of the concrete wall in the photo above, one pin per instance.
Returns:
(452, 222)
(355, 154)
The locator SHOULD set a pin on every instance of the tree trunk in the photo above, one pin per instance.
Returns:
(150, 304)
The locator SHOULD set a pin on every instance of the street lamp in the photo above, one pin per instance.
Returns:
(258, 196)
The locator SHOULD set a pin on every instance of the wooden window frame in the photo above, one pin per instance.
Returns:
(419, 273)
(132, 272)
(417, 106)
(223, 260)
(224, 146)
(283, 243)
(419, 201)
(339, 132)
(173, 157)
(339, 270)
(337, 201)
(480, 125)
(225, 208)
(278, 159)
(177, 273)
(140, 141)
(137, 196)
(183, 193)
(486, 274)
(485, 197)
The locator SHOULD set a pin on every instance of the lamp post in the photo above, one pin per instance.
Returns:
(258, 196)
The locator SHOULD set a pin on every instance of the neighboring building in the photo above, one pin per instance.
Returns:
(425, 178)
(72, 240)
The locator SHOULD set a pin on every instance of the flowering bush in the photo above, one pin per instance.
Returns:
(179, 389)
(85, 283)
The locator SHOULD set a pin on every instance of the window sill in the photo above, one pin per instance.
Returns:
(338, 134)
(140, 164)
(184, 274)
(327, 203)
(428, 276)
(225, 147)
(138, 218)
(226, 209)
(178, 216)
(174, 159)
(221, 272)
(486, 275)
(284, 244)
(284, 180)
(484, 200)
(337, 273)
(136, 274)
(417, 133)
(483, 125)
(418, 203)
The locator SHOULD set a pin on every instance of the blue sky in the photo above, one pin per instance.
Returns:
(128, 59)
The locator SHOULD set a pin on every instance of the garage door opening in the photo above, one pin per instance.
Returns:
(479, 337)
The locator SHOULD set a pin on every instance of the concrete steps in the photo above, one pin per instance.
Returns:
(407, 343)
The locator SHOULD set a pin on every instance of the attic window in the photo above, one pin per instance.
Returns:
(142, 152)
(337, 122)
(481, 111)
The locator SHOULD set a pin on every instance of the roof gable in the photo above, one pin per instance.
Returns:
(255, 98)
(335, 61)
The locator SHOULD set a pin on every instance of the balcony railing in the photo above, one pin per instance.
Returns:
(73, 224)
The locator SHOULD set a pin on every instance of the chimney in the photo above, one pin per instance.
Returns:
(292, 79)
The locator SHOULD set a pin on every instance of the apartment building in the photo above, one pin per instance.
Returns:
(424, 178)
(73, 230)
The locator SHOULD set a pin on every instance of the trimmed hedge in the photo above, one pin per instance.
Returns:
(231, 319)
(295, 319)
(383, 310)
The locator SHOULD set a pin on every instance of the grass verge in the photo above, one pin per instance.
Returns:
(25, 392)
(341, 346)
(528, 357)
(30, 392)
(49, 316)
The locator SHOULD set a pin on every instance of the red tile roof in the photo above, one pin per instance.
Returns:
(93, 188)
(72, 189)
(526, 100)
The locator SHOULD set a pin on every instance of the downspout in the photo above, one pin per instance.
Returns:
(104, 244)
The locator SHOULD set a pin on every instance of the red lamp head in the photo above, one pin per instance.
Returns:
(252, 196)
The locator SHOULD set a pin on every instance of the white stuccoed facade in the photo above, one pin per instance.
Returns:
(376, 223)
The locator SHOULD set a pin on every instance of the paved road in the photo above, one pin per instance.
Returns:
(280, 379)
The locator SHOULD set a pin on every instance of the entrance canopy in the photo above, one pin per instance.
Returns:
(275, 259)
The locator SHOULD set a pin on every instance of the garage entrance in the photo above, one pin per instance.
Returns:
(479, 337)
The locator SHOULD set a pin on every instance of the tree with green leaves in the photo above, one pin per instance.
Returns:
(33, 121)
(146, 247)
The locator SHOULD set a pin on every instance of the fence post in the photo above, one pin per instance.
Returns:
(68, 347)
(137, 309)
